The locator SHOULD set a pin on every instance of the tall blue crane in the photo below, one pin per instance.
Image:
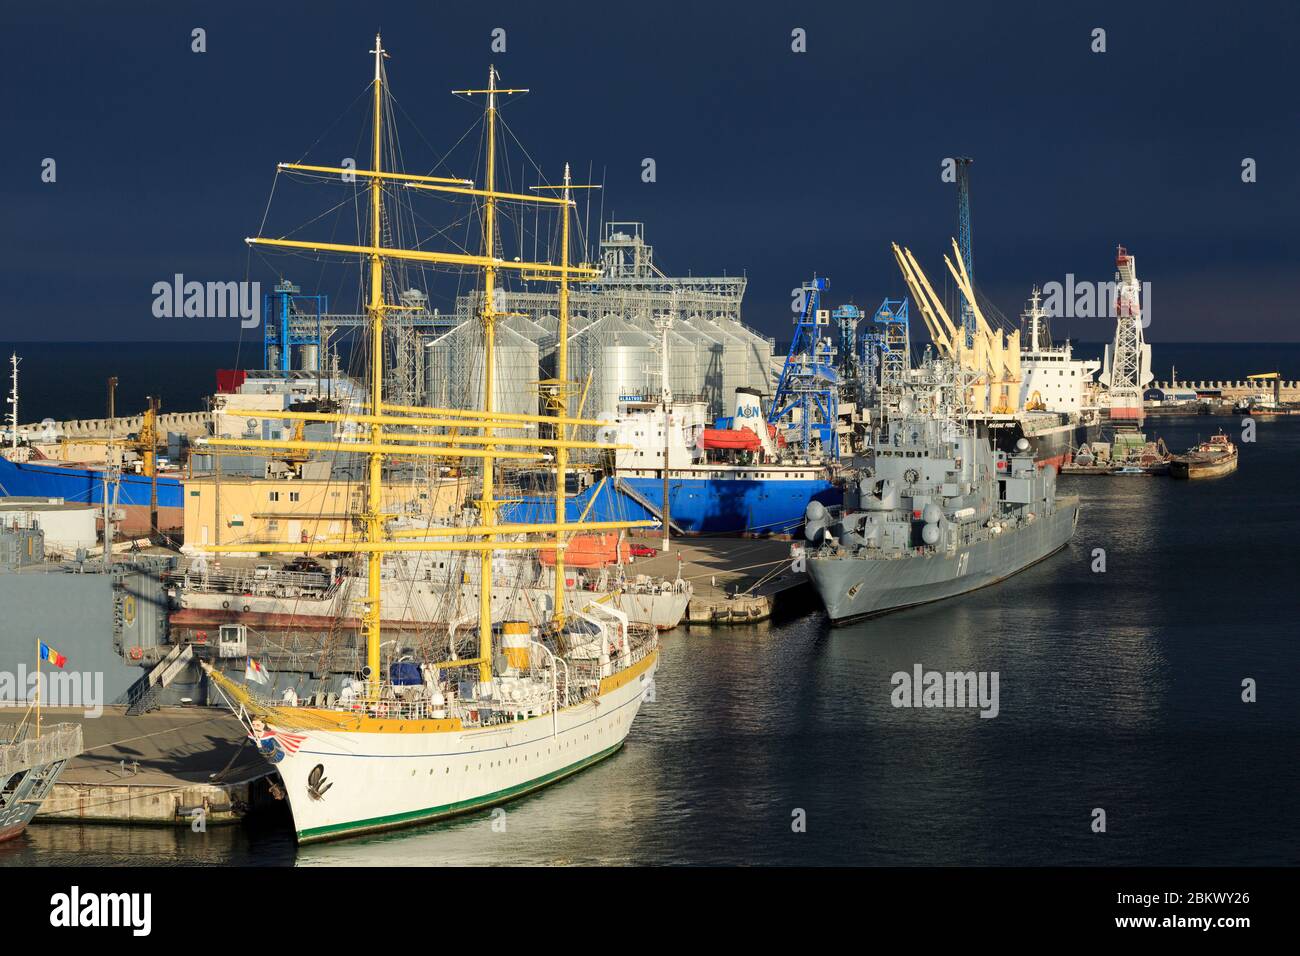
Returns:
(963, 240)
(809, 381)
(846, 318)
(893, 340)
(290, 319)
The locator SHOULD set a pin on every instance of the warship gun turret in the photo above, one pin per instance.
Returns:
(931, 511)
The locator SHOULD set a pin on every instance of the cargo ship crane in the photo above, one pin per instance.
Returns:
(995, 357)
(1275, 377)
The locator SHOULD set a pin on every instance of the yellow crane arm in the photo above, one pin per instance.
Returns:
(941, 329)
(967, 290)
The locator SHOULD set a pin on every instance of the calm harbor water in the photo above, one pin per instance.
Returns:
(1119, 690)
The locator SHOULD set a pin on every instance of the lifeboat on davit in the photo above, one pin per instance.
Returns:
(590, 551)
(731, 439)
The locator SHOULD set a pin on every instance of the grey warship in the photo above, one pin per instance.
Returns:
(932, 511)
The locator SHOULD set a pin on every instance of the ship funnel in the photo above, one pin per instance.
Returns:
(749, 410)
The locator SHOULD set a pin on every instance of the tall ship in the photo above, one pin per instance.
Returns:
(521, 705)
(932, 511)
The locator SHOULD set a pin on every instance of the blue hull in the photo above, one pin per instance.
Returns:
(84, 485)
(610, 505)
(735, 505)
(699, 505)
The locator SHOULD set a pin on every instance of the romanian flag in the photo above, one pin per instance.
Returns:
(50, 654)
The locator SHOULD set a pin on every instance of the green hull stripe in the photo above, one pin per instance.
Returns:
(412, 817)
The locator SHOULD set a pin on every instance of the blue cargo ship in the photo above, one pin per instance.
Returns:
(85, 484)
(733, 476)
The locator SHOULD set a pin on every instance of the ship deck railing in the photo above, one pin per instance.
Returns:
(575, 682)
(59, 742)
(263, 584)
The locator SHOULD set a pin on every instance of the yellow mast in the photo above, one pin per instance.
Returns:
(487, 511)
(370, 621)
(487, 503)
(559, 387)
(561, 399)
(381, 443)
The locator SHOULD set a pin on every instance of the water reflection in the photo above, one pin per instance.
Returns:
(1119, 690)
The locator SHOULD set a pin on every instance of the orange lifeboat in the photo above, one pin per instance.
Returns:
(590, 551)
(732, 439)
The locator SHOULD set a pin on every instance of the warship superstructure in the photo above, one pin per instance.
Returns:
(932, 511)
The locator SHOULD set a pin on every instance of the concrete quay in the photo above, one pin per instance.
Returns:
(156, 769)
(735, 580)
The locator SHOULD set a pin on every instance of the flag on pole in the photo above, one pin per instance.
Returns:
(253, 671)
(50, 654)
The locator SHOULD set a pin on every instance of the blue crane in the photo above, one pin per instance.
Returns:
(963, 240)
(809, 381)
(846, 319)
(290, 319)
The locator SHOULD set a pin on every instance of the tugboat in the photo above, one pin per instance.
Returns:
(1209, 459)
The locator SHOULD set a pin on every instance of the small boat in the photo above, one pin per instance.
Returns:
(1130, 470)
(1210, 459)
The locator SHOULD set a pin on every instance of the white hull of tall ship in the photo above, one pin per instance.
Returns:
(377, 773)
(416, 604)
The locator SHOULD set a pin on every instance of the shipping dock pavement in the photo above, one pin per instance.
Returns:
(169, 767)
(736, 580)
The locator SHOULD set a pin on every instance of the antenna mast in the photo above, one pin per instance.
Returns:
(13, 401)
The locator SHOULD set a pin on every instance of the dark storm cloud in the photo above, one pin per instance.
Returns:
(768, 162)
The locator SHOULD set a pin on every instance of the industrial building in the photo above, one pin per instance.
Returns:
(68, 526)
(225, 511)
(437, 359)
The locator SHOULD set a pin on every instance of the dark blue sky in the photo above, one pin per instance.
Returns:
(771, 163)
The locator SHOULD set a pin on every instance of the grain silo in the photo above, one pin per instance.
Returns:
(454, 370)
